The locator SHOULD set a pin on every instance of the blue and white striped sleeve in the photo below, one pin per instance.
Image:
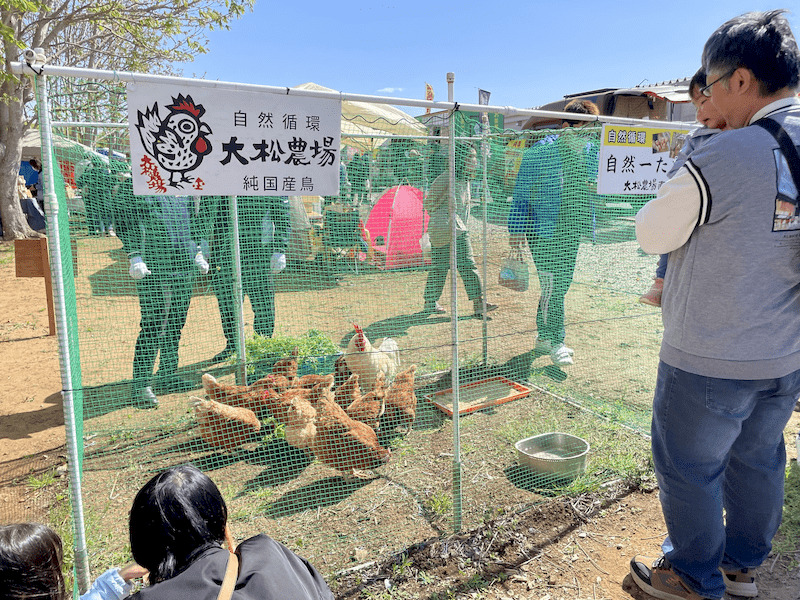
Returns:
(109, 586)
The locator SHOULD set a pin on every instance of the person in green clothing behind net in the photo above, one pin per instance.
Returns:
(554, 199)
(264, 227)
(165, 240)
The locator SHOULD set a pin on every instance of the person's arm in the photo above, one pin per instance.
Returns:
(200, 226)
(114, 584)
(521, 196)
(437, 194)
(665, 223)
(693, 141)
(279, 214)
(130, 217)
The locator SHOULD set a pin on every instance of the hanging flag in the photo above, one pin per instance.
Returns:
(483, 98)
(428, 96)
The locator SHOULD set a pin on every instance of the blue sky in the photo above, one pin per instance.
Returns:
(526, 53)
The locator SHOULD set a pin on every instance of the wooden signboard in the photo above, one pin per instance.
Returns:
(31, 259)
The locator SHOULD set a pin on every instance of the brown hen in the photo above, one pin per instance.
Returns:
(341, 442)
(287, 366)
(348, 392)
(340, 371)
(370, 407)
(255, 397)
(310, 380)
(280, 406)
(401, 401)
(224, 426)
(301, 426)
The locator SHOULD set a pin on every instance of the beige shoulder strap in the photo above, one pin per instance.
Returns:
(231, 572)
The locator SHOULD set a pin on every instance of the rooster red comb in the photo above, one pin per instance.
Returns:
(360, 333)
(186, 104)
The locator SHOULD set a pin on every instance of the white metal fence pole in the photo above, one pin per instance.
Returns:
(484, 145)
(70, 424)
(451, 77)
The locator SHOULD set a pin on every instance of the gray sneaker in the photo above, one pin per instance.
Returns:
(740, 583)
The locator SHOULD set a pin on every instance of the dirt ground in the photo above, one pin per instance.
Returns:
(581, 553)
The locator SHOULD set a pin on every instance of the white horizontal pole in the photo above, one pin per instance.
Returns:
(130, 77)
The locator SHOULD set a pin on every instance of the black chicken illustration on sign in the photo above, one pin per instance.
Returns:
(177, 142)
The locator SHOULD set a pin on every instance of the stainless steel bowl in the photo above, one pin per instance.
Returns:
(558, 455)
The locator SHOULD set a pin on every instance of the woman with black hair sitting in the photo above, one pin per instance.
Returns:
(178, 523)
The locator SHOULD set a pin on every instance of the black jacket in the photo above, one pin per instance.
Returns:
(267, 570)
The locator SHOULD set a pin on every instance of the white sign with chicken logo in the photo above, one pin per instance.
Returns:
(207, 141)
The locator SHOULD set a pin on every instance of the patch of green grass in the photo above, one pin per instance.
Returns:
(105, 546)
(424, 578)
(402, 568)
(476, 582)
(390, 594)
(45, 479)
(433, 364)
(620, 409)
(440, 504)
(313, 348)
(263, 496)
(786, 542)
(7, 256)
(277, 431)
(402, 447)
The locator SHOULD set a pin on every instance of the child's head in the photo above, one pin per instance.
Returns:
(177, 515)
(30, 563)
(707, 113)
(579, 107)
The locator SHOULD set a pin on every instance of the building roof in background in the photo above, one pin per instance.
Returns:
(674, 91)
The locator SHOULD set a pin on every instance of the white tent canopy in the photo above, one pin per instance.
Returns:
(361, 137)
(382, 117)
(32, 146)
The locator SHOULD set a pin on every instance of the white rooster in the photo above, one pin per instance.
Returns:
(366, 361)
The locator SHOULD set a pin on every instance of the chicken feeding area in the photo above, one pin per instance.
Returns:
(346, 452)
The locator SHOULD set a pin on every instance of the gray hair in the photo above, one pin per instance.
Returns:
(759, 41)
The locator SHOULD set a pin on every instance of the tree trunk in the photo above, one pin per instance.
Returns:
(15, 225)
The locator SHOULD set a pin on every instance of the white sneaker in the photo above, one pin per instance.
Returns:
(561, 355)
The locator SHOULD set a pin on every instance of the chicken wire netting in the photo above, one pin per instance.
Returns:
(343, 470)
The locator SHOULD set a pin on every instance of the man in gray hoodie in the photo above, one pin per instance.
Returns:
(729, 371)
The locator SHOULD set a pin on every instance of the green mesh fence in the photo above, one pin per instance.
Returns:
(340, 473)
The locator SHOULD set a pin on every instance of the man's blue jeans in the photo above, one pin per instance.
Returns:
(718, 444)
